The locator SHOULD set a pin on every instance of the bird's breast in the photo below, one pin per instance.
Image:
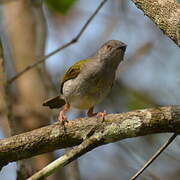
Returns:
(87, 90)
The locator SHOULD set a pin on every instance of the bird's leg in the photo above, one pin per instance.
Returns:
(62, 114)
(90, 113)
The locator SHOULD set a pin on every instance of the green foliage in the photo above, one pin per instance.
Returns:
(61, 6)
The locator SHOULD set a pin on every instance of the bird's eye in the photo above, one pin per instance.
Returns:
(109, 47)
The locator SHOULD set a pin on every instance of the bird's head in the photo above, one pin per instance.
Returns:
(112, 49)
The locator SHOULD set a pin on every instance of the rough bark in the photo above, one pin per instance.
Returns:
(115, 127)
(165, 14)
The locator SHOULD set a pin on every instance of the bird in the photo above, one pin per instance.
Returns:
(86, 83)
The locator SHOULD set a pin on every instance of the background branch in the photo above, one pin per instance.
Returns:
(116, 127)
(5, 107)
(74, 40)
(87, 145)
(154, 157)
(22, 54)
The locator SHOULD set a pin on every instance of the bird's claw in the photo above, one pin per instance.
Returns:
(101, 114)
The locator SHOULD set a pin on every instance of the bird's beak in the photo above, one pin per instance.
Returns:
(123, 46)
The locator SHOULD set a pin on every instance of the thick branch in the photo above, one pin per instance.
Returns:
(165, 13)
(115, 127)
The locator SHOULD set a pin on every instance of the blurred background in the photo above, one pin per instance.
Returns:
(148, 77)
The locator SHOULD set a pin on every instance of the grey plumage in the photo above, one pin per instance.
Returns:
(94, 79)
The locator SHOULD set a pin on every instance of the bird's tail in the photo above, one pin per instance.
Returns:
(54, 103)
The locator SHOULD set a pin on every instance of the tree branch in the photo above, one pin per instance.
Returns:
(87, 145)
(154, 157)
(115, 127)
(165, 14)
(74, 40)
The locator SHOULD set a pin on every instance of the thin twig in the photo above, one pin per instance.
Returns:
(84, 147)
(42, 59)
(162, 148)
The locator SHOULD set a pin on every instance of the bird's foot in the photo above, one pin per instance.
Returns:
(90, 113)
(101, 114)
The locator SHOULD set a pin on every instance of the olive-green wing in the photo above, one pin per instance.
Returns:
(73, 72)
